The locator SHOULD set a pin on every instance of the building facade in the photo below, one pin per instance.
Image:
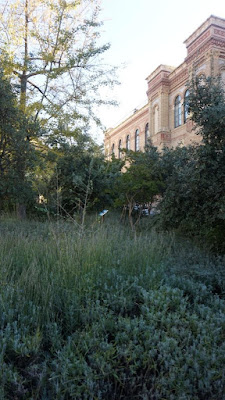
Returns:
(164, 118)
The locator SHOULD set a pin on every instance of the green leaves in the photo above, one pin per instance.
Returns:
(50, 50)
(17, 153)
(80, 172)
(194, 195)
(207, 106)
(141, 181)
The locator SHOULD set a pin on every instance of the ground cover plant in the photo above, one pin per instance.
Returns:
(98, 314)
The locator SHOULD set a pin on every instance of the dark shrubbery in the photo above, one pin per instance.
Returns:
(194, 195)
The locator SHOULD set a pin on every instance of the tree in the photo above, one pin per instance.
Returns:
(81, 179)
(50, 50)
(207, 106)
(194, 196)
(141, 181)
(17, 154)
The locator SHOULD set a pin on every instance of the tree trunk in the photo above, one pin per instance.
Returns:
(23, 91)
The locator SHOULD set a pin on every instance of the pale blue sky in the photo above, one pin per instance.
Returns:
(144, 34)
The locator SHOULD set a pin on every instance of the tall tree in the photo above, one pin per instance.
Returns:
(17, 154)
(50, 49)
(194, 196)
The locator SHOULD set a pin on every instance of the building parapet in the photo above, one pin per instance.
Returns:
(212, 20)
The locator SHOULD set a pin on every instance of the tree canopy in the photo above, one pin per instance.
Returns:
(50, 50)
(194, 196)
(207, 105)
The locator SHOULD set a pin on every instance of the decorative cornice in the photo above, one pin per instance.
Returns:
(219, 43)
(220, 32)
(198, 41)
(164, 83)
(179, 78)
(129, 120)
(199, 51)
(206, 25)
(161, 68)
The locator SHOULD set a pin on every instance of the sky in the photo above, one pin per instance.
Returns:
(144, 34)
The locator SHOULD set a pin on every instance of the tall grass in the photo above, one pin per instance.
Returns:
(107, 316)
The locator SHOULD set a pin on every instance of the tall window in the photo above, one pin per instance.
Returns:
(128, 142)
(177, 112)
(113, 148)
(223, 77)
(146, 133)
(137, 140)
(119, 149)
(186, 107)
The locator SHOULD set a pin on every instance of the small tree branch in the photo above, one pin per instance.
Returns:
(43, 94)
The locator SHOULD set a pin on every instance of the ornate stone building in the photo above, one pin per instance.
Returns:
(164, 118)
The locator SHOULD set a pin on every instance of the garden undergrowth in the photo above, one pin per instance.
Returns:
(104, 315)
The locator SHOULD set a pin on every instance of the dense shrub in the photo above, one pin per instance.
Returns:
(194, 196)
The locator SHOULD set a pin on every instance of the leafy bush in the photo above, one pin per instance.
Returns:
(193, 198)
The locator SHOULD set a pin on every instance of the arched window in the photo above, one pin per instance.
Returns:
(113, 148)
(146, 133)
(186, 106)
(119, 148)
(128, 142)
(177, 112)
(137, 140)
(223, 77)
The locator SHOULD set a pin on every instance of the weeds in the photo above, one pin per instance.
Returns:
(105, 317)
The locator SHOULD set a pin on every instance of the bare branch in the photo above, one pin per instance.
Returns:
(43, 93)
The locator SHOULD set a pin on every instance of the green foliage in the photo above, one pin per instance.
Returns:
(51, 54)
(17, 154)
(207, 106)
(141, 180)
(139, 183)
(194, 195)
(51, 51)
(108, 317)
(81, 178)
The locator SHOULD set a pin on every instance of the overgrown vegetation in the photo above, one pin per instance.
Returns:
(68, 169)
(106, 316)
(93, 310)
(51, 53)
